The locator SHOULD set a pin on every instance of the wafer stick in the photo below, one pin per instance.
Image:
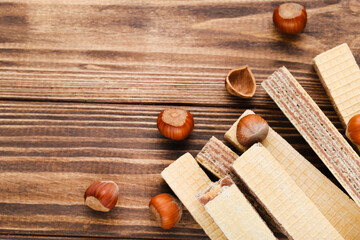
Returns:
(316, 128)
(340, 76)
(232, 212)
(186, 178)
(216, 157)
(281, 196)
(333, 203)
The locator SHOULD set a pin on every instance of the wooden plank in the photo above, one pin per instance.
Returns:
(109, 130)
(156, 52)
(34, 237)
(51, 152)
(145, 55)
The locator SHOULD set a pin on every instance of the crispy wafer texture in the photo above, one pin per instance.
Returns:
(210, 192)
(234, 214)
(316, 128)
(216, 157)
(281, 196)
(186, 178)
(333, 203)
(340, 76)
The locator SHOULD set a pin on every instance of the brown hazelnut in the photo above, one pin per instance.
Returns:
(251, 129)
(175, 123)
(353, 129)
(290, 18)
(166, 210)
(102, 195)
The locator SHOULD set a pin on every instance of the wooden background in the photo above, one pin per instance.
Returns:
(82, 83)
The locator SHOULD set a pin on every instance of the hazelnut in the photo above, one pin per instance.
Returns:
(102, 195)
(251, 129)
(353, 129)
(166, 210)
(290, 18)
(175, 123)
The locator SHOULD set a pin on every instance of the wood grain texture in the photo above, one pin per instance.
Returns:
(148, 52)
(51, 152)
(82, 83)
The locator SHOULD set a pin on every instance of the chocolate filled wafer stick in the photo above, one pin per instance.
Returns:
(186, 178)
(340, 76)
(216, 157)
(281, 196)
(232, 212)
(334, 204)
(316, 128)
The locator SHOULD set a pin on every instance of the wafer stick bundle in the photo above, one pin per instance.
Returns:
(218, 159)
(281, 196)
(186, 178)
(232, 212)
(333, 203)
(317, 130)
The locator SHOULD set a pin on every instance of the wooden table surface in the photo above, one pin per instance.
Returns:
(82, 83)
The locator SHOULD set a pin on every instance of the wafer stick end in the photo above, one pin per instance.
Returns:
(210, 192)
(216, 157)
(181, 161)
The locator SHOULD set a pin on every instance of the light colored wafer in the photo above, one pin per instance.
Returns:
(333, 203)
(340, 76)
(281, 196)
(317, 129)
(218, 159)
(234, 214)
(186, 178)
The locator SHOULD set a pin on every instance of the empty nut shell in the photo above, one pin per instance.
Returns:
(241, 82)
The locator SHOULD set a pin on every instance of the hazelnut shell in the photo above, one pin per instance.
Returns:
(241, 82)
